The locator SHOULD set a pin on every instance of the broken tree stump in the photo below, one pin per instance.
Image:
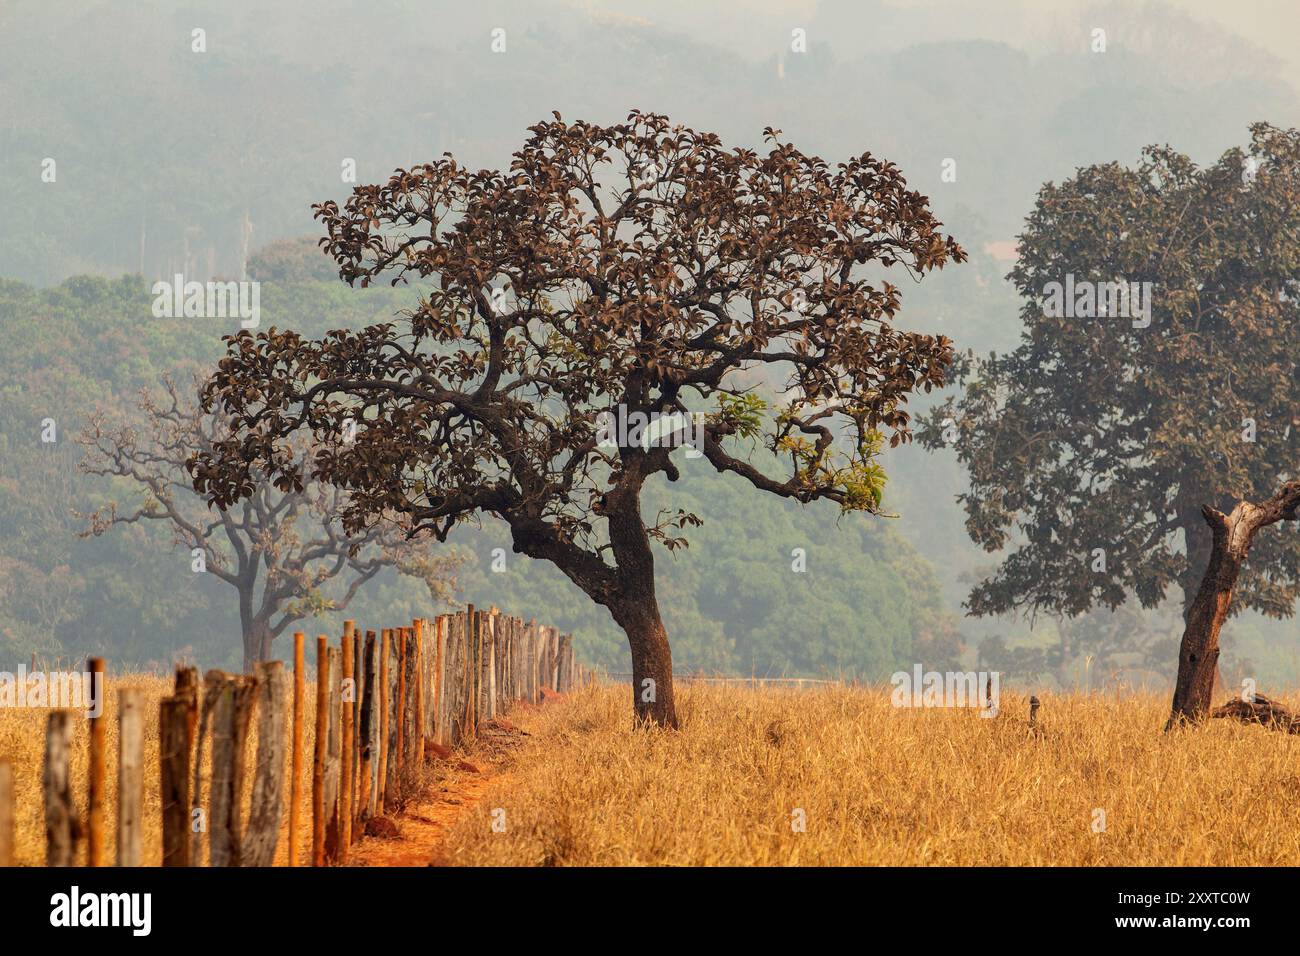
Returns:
(1260, 710)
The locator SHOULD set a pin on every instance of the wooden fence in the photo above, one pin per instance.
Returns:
(384, 700)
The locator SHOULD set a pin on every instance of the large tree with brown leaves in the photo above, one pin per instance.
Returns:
(634, 269)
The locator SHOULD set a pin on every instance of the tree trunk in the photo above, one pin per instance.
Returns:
(636, 610)
(257, 645)
(1198, 656)
(652, 659)
(1199, 541)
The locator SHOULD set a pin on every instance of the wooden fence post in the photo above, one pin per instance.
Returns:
(230, 720)
(347, 690)
(386, 638)
(472, 671)
(439, 692)
(187, 686)
(130, 775)
(366, 732)
(414, 745)
(268, 775)
(496, 626)
(517, 658)
(400, 711)
(318, 758)
(295, 759)
(175, 738)
(393, 716)
(451, 670)
(531, 638)
(6, 814)
(565, 677)
(95, 783)
(418, 744)
(358, 701)
(484, 699)
(333, 755)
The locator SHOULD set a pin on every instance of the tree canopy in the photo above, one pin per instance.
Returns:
(1094, 445)
(640, 269)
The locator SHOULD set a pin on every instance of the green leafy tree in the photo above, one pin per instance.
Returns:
(1101, 450)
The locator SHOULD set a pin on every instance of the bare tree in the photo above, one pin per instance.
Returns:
(278, 549)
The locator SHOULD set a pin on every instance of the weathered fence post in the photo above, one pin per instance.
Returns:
(429, 655)
(451, 681)
(384, 705)
(439, 691)
(393, 715)
(230, 720)
(531, 640)
(318, 757)
(347, 690)
(201, 730)
(61, 827)
(484, 697)
(333, 756)
(365, 797)
(295, 759)
(490, 663)
(543, 662)
(410, 719)
(95, 783)
(268, 776)
(456, 682)
(517, 655)
(6, 814)
(130, 775)
(471, 672)
(358, 701)
(418, 749)
(175, 739)
(399, 711)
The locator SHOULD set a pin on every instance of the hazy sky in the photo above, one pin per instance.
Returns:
(758, 28)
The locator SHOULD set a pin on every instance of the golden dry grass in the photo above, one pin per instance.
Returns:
(880, 785)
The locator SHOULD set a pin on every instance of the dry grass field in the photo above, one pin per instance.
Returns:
(875, 784)
(886, 786)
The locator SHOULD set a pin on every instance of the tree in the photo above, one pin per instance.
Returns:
(279, 550)
(1233, 535)
(626, 273)
(1095, 447)
(291, 260)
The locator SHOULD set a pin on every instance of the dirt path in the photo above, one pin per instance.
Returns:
(423, 825)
